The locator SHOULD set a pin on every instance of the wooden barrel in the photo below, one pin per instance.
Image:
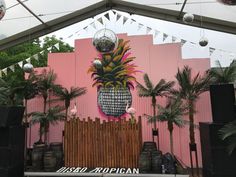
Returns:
(149, 146)
(37, 157)
(145, 162)
(156, 161)
(57, 149)
(49, 161)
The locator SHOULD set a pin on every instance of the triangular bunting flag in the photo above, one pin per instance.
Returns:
(4, 71)
(107, 16)
(114, 12)
(132, 21)
(148, 30)
(140, 26)
(164, 36)
(20, 64)
(0, 73)
(118, 17)
(100, 20)
(12, 67)
(174, 39)
(93, 25)
(36, 57)
(56, 46)
(70, 36)
(156, 33)
(124, 20)
(211, 50)
(86, 28)
(183, 42)
(28, 60)
(42, 52)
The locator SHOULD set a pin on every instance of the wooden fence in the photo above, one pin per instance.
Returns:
(89, 143)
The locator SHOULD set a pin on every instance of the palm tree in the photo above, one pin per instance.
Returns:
(228, 133)
(190, 88)
(67, 95)
(172, 114)
(222, 75)
(46, 84)
(53, 115)
(162, 88)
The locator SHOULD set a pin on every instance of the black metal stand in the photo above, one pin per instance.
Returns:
(26, 125)
(193, 148)
(156, 133)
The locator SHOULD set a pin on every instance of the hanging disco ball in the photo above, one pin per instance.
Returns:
(2, 9)
(105, 40)
(188, 18)
(28, 67)
(228, 2)
(97, 64)
(203, 41)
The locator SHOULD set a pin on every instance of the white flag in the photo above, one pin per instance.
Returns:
(28, 60)
(36, 57)
(156, 33)
(0, 73)
(211, 50)
(118, 17)
(164, 36)
(100, 20)
(183, 42)
(56, 46)
(4, 71)
(93, 25)
(140, 26)
(107, 16)
(124, 20)
(174, 39)
(12, 67)
(132, 21)
(20, 64)
(86, 28)
(148, 30)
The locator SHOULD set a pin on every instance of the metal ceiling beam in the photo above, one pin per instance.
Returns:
(132, 8)
(30, 11)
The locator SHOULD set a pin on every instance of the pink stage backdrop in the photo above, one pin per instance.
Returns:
(158, 61)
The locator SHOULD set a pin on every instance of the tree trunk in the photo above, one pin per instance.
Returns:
(191, 122)
(66, 114)
(170, 128)
(154, 111)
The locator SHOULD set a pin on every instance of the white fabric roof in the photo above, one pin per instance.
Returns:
(19, 24)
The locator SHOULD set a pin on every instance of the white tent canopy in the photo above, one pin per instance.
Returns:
(28, 19)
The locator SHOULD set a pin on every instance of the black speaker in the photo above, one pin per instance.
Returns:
(215, 159)
(12, 136)
(222, 103)
(10, 157)
(15, 171)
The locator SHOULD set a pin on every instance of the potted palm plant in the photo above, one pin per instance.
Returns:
(113, 76)
(162, 88)
(11, 109)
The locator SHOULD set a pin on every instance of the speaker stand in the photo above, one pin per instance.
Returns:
(193, 148)
(156, 133)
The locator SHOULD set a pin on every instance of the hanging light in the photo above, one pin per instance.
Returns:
(28, 67)
(228, 2)
(105, 40)
(2, 9)
(188, 18)
(203, 41)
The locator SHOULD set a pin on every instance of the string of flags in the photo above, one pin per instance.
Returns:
(28, 60)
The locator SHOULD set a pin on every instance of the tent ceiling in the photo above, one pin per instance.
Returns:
(20, 25)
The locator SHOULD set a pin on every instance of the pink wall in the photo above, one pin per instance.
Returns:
(159, 61)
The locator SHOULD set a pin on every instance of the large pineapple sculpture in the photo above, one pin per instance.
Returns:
(113, 75)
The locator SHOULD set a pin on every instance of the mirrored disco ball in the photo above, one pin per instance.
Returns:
(105, 40)
(188, 18)
(97, 64)
(203, 42)
(2, 9)
(28, 67)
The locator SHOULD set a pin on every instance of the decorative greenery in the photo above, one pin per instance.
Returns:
(162, 88)
(67, 95)
(190, 88)
(228, 133)
(221, 75)
(116, 70)
(172, 113)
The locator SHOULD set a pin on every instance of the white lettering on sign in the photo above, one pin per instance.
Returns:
(98, 170)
